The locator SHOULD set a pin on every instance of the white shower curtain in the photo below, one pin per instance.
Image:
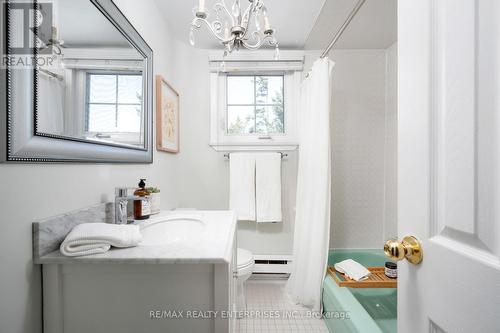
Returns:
(312, 218)
(50, 118)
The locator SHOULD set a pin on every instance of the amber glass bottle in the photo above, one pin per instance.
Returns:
(142, 208)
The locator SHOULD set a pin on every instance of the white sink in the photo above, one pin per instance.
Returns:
(174, 229)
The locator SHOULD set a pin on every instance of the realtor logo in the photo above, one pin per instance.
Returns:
(30, 27)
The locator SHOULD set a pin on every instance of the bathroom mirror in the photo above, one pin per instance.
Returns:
(87, 95)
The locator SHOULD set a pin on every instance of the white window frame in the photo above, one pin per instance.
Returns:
(81, 62)
(258, 63)
(128, 136)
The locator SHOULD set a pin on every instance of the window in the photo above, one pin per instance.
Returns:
(255, 105)
(254, 100)
(114, 103)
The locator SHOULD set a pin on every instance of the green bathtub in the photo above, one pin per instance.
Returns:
(361, 310)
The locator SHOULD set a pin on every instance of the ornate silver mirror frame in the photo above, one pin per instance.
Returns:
(19, 141)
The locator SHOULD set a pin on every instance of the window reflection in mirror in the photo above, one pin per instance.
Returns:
(93, 91)
(113, 107)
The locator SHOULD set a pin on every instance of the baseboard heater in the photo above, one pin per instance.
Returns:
(272, 264)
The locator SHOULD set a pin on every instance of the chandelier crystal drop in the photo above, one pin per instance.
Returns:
(236, 28)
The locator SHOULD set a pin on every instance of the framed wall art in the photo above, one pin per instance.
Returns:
(167, 116)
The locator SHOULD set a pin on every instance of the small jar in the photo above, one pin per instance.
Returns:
(391, 270)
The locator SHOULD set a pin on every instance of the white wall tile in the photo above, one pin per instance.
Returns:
(391, 144)
(358, 148)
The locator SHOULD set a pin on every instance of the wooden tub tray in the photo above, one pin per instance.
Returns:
(377, 279)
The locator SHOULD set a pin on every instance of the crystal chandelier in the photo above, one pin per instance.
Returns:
(231, 27)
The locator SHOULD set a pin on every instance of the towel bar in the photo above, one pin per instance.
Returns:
(227, 155)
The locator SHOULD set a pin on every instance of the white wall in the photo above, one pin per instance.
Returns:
(202, 177)
(35, 191)
(364, 127)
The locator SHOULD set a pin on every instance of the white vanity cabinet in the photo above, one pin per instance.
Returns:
(185, 287)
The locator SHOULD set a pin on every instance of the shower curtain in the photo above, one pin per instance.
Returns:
(312, 218)
(50, 118)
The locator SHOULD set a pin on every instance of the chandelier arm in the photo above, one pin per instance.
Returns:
(197, 25)
(249, 12)
(252, 47)
(255, 36)
(259, 43)
(267, 38)
(222, 5)
(230, 40)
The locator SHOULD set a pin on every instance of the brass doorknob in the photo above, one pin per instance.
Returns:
(410, 248)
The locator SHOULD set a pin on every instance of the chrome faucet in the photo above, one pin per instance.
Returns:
(121, 203)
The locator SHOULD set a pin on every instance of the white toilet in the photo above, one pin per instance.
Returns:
(246, 263)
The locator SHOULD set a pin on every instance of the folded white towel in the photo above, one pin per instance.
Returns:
(268, 187)
(352, 269)
(242, 185)
(93, 238)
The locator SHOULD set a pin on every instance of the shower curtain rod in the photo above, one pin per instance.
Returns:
(343, 27)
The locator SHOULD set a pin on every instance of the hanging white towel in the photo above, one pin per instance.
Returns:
(242, 185)
(93, 238)
(268, 187)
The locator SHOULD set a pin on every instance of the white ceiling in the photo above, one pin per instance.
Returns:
(299, 24)
(292, 20)
(81, 24)
(374, 27)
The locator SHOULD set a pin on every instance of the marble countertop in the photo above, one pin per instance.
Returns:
(213, 244)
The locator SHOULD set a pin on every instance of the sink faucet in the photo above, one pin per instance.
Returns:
(121, 202)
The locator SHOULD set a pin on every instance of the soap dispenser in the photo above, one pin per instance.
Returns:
(142, 208)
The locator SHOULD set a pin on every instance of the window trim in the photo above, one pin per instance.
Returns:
(255, 104)
(88, 74)
(220, 140)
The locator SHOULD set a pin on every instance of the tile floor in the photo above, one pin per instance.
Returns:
(270, 310)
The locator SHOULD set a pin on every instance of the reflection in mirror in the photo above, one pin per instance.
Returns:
(93, 91)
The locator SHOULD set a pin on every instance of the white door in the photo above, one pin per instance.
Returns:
(449, 164)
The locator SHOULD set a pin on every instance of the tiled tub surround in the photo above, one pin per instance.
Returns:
(138, 289)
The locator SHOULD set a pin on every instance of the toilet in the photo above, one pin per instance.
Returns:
(246, 263)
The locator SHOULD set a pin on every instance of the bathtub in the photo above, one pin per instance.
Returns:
(363, 310)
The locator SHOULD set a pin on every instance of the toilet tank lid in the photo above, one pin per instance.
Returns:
(244, 257)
